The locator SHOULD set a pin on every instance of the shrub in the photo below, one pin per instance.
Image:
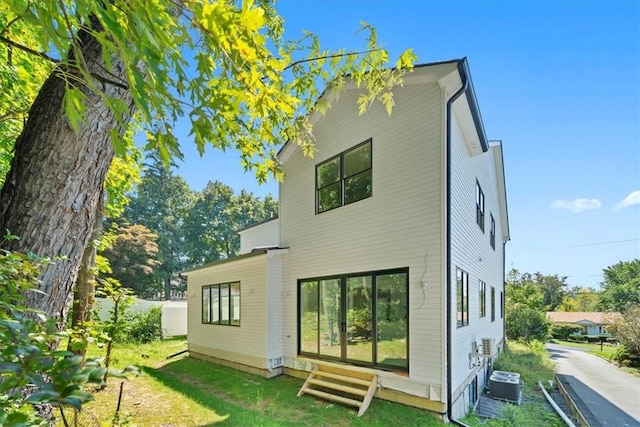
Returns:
(33, 373)
(563, 331)
(526, 324)
(144, 327)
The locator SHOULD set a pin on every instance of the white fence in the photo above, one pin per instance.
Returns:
(174, 313)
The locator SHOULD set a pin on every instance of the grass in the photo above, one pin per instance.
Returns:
(534, 364)
(183, 391)
(186, 392)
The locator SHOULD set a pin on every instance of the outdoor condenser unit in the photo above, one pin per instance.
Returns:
(488, 347)
(505, 386)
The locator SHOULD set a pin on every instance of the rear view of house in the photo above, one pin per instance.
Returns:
(387, 255)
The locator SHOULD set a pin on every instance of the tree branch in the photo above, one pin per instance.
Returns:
(30, 51)
(4, 30)
(105, 80)
(336, 55)
(11, 115)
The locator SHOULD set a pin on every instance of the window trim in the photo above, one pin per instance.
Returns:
(462, 297)
(230, 305)
(342, 178)
(479, 206)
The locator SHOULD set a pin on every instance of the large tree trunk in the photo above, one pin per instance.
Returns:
(83, 293)
(50, 195)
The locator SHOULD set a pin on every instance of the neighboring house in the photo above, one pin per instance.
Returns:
(388, 254)
(589, 323)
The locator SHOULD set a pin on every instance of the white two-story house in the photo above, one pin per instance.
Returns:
(387, 256)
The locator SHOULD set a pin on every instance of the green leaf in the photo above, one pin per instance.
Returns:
(43, 396)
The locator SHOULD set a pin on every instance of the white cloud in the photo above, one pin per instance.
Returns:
(577, 205)
(633, 199)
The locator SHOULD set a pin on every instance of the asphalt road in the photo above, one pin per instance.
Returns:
(613, 396)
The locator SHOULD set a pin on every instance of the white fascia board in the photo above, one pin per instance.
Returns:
(498, 161)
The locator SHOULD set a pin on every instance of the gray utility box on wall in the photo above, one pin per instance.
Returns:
(505, 385)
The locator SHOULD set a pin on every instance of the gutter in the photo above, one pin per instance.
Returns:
(449, 332)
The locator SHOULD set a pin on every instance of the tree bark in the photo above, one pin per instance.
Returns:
(83, 292)
(50, 195)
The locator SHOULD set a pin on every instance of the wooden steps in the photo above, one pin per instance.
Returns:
(342, 385)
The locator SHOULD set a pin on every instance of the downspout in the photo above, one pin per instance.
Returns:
(463, 89)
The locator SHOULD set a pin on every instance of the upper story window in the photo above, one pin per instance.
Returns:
(462, 297)
(492, 232)
(479, 206)
(344, 179)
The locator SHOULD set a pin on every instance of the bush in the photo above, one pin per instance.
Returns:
(34, 376)
(526, 324)
(563, 332)
(142, 327)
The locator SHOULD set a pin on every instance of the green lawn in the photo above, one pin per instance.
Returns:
(182, 391)
(186, 392)
(534, 364)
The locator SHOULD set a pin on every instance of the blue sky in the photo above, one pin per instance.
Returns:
(557, 82)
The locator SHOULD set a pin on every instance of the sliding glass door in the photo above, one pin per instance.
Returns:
(357, 318)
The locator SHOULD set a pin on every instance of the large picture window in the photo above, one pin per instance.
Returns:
(360, 318)
(344, 179)
(221, 304)
(462, 297)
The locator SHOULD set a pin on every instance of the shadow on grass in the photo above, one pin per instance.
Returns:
(240, 398)
(249, 400)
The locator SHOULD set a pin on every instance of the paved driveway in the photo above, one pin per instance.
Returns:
(613, 396)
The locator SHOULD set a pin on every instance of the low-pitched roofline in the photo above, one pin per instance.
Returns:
(223, 261)
(256, 224)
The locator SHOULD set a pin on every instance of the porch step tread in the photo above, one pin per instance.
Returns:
(336, 386)
(341, 377)
(348, 386)
(334, 397)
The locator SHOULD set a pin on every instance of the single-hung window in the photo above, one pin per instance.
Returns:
(479, 206)
(344, 179)
(492, 232)
(482, 298)
(462, 298)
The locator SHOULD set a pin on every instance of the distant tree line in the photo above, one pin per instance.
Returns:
(529, 296)
(168, 227)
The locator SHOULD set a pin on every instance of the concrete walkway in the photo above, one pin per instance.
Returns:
(605, 395)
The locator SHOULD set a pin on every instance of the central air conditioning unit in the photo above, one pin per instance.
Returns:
(488, 347)
(505, 386)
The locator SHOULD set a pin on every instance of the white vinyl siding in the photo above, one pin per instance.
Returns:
(398, 226)
(250, 337)
(470, 246)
